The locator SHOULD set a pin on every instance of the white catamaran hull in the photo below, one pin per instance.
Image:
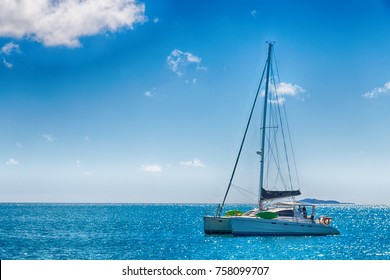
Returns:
(250, 226)
(217, 225)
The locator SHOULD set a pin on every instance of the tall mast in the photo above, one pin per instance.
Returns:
(270, 45)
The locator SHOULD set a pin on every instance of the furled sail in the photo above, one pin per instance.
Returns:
(267, 194)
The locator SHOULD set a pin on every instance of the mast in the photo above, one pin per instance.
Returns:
(262, 128)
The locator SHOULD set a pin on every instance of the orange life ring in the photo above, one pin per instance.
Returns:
(326, 221)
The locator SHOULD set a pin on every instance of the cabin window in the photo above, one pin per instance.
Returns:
(286, 213)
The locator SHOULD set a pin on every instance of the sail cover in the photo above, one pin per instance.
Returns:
(266, 194)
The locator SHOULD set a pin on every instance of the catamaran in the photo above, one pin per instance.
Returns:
(271, 216)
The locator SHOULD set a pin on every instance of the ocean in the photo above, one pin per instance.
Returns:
(175, 232)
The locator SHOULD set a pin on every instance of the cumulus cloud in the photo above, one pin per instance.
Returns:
(282, 89)
(12, 161)
(49, 138)
(151, 168)
(288, 89)
(193, 163)
(63, 22)
(178, 59)
(376, 92)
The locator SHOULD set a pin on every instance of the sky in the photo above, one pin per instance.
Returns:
(130, 101)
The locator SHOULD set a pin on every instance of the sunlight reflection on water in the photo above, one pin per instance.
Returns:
(175, 231)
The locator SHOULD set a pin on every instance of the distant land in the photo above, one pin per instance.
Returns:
(319, 201)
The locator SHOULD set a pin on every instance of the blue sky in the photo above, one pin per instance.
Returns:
(147, 101)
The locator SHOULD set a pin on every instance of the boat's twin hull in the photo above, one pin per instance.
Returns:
(217, 225)
(247, 226)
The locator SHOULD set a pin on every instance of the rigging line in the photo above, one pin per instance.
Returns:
(271, 136)
(280, 165)
(275, 147)
(288, 131)
(277, 159)
(245, 190)
(242, 142)
(283, 136)
(247, 196)
(292, 147)
(277, 68)
(273, 150)
(273, 153)
(288, 127)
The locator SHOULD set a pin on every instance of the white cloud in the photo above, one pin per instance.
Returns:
(192, 58)
(253, 13)
(49, 138)
(7, 50)
(63, 22)
(199, 67)
(193, 81)
(12, 161)
(7, 64)
(282, 89)
(156, 20)
(78, 163)
(280, 100)
(151, 168)
(193, 163)
(10, 47)
(179, 59)
(288, 89)
(376, 92)
(151, 92)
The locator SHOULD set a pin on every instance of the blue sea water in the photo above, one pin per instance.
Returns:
(175, 232)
